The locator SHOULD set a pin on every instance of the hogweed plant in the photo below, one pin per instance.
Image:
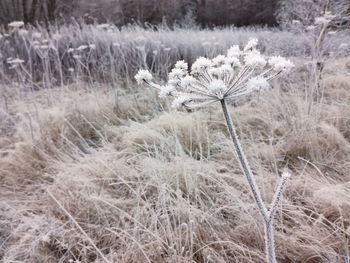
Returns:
(221, 79)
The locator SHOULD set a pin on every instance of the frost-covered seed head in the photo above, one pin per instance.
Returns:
(225, 77)
(143, 76)
(217, 85)
(321, 20)
(254, 59)
(214, 72)
(15, 61)
(280, 64)
(219, 60)
(258, 83)
(176, 73)
(325, 19)
(82, 47)
(201, 64)
(16, 24)
(234, 51)
(174, 81)
(233, 61)
(252, 44)
(92, 46)
(286, 174)
(44, 47)
(181, 64)
(181, 100)
(103, 26)
(225, 69)
(310, 28)
(166, 91)
(187, 81)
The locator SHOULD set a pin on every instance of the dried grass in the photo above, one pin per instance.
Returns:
(138, 182)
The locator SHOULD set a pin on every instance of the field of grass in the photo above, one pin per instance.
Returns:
(94, 168)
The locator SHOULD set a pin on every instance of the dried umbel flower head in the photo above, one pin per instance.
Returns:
(103, 26)
(325, 19)
(143, 76)
(237, 74)
(16, 24)
(15, 61)
(82, 47)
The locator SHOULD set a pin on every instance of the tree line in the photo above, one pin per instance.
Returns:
(186, 12)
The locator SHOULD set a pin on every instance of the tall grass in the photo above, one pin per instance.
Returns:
(63, 54)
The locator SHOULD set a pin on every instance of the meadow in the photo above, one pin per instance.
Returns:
(94, 168)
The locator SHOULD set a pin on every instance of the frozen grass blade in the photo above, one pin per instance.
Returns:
(78, 226)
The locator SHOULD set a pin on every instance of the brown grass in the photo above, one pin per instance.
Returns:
(140, 182)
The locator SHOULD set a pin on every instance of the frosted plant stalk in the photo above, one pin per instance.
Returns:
(239, 73)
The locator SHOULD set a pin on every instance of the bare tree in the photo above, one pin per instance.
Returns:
(305, 11)
(30, 11)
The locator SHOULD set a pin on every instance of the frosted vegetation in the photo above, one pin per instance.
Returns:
(96, 168)
(222, 79)
(105, 53)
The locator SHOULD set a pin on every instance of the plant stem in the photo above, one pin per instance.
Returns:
(267, 216)
(244, 163)
(270, 242)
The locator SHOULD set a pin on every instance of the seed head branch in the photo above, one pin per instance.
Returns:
(278, 194)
